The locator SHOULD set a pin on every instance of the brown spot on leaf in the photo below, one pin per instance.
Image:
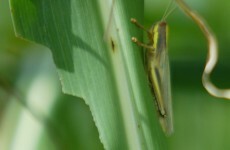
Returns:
(112, 45)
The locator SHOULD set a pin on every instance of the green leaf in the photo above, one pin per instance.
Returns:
(107, 73)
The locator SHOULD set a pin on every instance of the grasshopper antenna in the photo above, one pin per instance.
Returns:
(168, 11)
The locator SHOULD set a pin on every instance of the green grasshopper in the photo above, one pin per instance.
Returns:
(158, 70)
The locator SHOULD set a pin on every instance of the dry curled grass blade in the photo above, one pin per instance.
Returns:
(212, 57)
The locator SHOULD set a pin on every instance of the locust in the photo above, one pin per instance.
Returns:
(158, 69)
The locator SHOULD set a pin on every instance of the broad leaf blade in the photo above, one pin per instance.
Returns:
(109, 75)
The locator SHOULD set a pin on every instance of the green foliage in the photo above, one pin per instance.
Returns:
(107, 74)
(201, 121)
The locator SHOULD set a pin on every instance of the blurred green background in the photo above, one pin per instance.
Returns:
(202, 122)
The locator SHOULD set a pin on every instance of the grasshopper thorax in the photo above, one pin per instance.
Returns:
(158, 35)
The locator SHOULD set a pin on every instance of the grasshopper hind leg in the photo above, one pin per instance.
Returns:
(161, 111)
